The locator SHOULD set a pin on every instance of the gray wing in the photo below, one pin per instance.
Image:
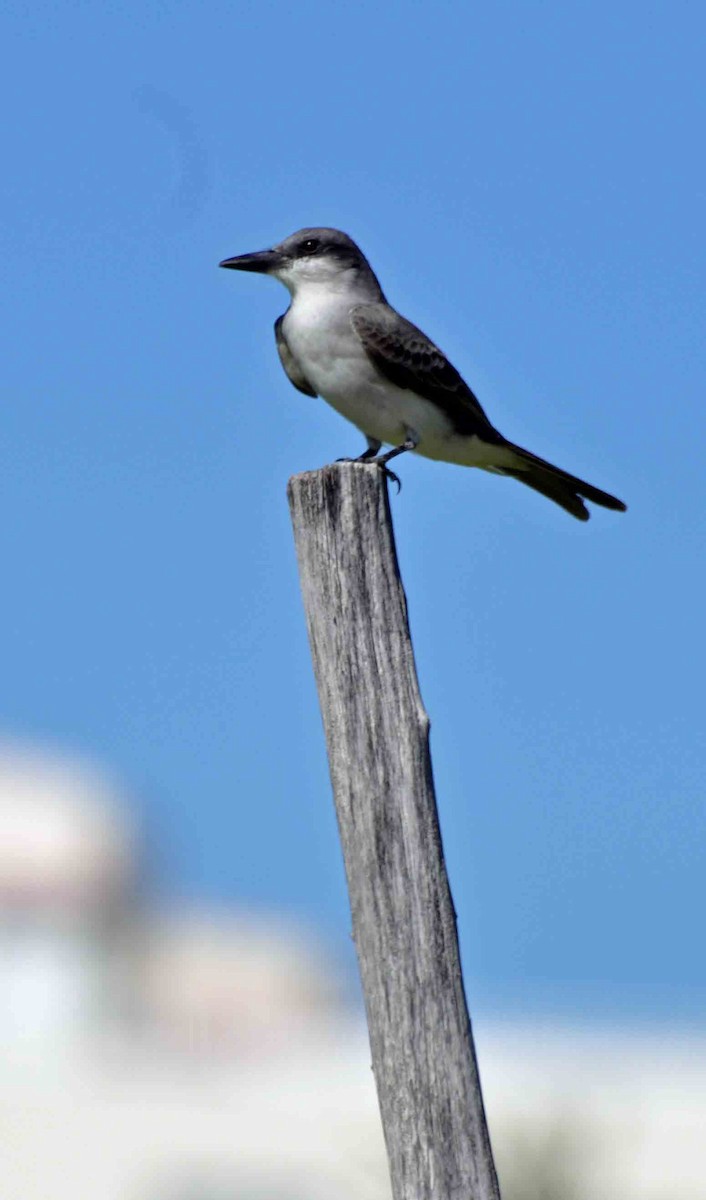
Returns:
(288, 361)
(406, 356)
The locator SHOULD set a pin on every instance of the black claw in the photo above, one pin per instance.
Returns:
(391, 476)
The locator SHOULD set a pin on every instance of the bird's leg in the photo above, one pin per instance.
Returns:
(410, 443)
(373, 447)
(371, 455)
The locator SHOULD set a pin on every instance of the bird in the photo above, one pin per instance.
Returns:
(340, 340)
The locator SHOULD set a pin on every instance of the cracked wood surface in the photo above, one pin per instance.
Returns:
(404, 924)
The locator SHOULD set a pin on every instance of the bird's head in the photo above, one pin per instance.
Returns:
(310, 258)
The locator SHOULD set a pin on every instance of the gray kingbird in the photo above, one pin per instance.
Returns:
(341, 340)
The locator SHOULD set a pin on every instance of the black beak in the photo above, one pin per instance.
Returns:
(263, 261)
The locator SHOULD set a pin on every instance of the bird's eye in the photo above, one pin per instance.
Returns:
(310, 245)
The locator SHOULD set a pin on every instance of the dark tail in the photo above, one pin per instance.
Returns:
(558, 485)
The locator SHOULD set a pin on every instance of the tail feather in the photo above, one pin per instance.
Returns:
(564, 489)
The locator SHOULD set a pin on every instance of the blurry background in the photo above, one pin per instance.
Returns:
(179, 1005)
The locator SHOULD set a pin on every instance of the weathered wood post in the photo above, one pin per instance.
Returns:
(404, 924)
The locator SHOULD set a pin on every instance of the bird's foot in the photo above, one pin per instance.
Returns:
(368, 457)
(410, 443)
(388, 474)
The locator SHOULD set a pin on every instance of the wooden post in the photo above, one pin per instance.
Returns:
(404, 924)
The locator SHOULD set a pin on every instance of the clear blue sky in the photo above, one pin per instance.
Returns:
(528, 181)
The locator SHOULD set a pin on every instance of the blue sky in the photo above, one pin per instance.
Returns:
(528, 180)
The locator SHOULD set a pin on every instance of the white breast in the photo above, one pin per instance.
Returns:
(329, 352)
(321, 337)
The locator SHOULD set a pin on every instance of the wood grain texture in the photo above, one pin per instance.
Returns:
(404, 924)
